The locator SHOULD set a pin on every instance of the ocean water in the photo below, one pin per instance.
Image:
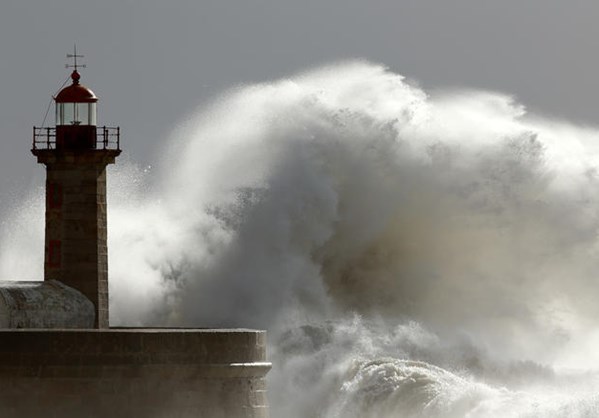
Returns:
(411, 253)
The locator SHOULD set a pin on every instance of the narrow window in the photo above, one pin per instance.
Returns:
(54, 253)
(54, 196)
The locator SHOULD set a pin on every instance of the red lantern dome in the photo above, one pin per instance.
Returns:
(76, 93)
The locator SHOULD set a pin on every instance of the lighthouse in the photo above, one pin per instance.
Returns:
(52, 363)
(76, 153)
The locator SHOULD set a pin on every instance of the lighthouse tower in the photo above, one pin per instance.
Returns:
(76, 152)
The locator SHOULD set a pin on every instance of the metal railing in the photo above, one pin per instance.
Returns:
(107, 138)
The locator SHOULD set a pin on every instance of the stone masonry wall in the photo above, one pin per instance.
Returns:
(133, 373)
(76, 220)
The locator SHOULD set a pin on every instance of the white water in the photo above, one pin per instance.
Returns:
(410, 254)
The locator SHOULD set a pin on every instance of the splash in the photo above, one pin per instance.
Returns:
(410, 254)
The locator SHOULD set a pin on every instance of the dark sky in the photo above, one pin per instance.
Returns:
(153, 62)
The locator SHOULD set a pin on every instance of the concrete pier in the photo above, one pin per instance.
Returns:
(141, 373)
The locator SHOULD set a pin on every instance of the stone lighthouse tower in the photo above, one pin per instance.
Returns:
(76, 153)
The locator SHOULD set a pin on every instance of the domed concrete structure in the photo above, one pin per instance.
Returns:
(48, 304)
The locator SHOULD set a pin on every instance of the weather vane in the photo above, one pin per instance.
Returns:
(75, 56)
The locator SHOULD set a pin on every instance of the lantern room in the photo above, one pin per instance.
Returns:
(76, 104)
(76, 120)
(76, 116)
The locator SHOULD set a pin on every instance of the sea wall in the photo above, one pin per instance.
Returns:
(149, 373)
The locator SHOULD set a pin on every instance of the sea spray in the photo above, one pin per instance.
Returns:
(409, 254)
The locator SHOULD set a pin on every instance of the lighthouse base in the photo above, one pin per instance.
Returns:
(148, 373)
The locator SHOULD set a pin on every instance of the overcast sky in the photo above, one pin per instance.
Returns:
(152, 62)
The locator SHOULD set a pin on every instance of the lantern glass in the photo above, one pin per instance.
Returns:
(75, 114)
